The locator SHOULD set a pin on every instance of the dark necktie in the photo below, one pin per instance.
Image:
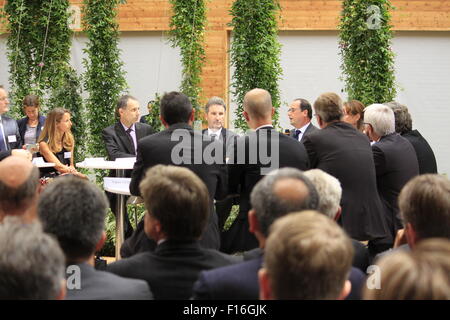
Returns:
(213, 136)
(2, 139)
(128, 131)
(297, 133)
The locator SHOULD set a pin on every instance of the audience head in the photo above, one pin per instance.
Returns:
(328, 107)
(300, 113)
(19, 188)
(307, 256)
(420, 274)
(74, 210)
(31, 106)
(354, 114)
(215, 113)
(176, 107)
(329, 190)
(379, 120)
(285, 190)
(424, 204)
(57, 127)
(177, 203)
(4, 101)
(258, 107)
(128, 110)
(31, 263)
(403, 121)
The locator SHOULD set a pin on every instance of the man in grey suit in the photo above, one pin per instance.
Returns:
(9, 131)
(73, 210)
(300, 115)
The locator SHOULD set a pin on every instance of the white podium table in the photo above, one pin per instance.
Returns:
(115, 185)
(40, 163)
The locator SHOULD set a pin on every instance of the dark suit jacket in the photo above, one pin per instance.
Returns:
(22, 123)
(172, 268)
(344, 152)
(245, 172)
(424, 153)
(310, 129)
(395, 163)
(4, 154)
(157, 149)
(240, 282)
(10, 129)
(100, 285)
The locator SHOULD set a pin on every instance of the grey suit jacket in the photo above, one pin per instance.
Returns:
(11, 131)
(101, 285)
(310, 129)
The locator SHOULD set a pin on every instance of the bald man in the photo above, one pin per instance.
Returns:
(19, 188)
(265, 149)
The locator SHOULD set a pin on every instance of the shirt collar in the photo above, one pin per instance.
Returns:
(264, 126)
(303, 129)
(217, 132)
(133, 127)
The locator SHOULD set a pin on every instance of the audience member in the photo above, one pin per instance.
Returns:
(31, 263)
(422, 274)
(178, 207)
(31, 126)
(300, 115)
(353, 113)
(73, 210)
(121, 142)
(244, 173)
(19, 189)
(57, 145)
(9, 131)
(15, 152)
(330, 192)
(395, 164)
(403, 126)
(344, 152)
(308, 257)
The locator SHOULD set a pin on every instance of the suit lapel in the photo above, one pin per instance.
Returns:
(122, 135)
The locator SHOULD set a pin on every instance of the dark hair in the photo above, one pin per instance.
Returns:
(305, 105)
(178, 199)
(74, 211)
(18, 198)
(31, 100)
(175, 108)
(123, 102)
(403, 121)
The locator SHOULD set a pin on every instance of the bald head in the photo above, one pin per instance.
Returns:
(258, 104)
(19, 182)
(290, 190)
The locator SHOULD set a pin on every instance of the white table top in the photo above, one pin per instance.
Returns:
(117, 185)
(122, 163)
(41, 163)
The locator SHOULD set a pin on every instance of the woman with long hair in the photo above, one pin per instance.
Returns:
(30, 127)
(354, 114)
(56, 143)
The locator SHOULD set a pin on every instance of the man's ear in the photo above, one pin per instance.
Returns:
(411, 235)
(338, 214)
(165, 124)
(345, 290)
(192, 116)
(253, 221)
(273, 111)
(265, 291)
(62, 292)
(101, 242)
(245, 114)
(320, 122)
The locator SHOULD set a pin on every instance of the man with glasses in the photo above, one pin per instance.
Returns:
(9, 131)
(300, 115)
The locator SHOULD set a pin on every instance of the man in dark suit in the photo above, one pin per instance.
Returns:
(215, 110)
(121, 142)
(179, 145)
(286, 190)
(73, 210)
(344, 152)
(300, 115)
(178, 208)
(395, 162)
(403, 126)
(264, 149)
(9, 131)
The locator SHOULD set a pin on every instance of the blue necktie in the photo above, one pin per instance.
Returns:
(297, 133)
(2, 139)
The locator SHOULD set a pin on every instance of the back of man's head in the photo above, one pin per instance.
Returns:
(424, 204)
(258, 104)
(381, 118)
(308, 256)
(329, 190)
(175, 108)
(74, 210)
(329, 107)
(178, 199)
(32, 266)
(19, 184)
(403, 121)
(277, 194)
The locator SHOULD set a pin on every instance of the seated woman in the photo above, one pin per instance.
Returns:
(354, 114)
(57, 145)
(30, 127)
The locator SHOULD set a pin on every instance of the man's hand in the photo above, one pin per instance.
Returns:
(21, 153)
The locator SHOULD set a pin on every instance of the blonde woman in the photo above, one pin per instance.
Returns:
(57, 145)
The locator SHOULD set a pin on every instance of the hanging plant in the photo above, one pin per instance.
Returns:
(365, 46)
(104, 77)
(152, 117)
(187, 31)
(255, 52)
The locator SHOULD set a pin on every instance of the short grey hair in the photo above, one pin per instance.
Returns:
(381, 118)
(329, 189)
(268, 206)
(215, 101)
(32, 265)
(403, 121)
(73, 210)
